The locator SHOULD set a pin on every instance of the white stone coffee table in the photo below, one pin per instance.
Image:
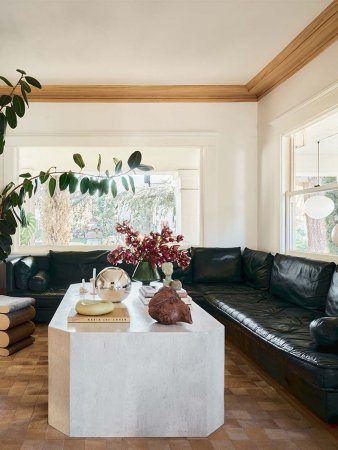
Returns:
(137, 379)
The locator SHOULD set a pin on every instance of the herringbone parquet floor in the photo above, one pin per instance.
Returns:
(259, 415)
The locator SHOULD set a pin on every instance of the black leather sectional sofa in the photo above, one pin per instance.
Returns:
(266, 302)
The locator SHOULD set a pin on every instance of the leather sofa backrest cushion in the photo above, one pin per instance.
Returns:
(100, 262)
(24, 270)
(39, 282)
(216, 265)
(332, 297)
(257, 268)
(65, 267)
(301, 281)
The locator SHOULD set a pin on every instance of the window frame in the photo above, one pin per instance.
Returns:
(290, 192)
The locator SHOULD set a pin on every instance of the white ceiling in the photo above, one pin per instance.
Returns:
(147, 41)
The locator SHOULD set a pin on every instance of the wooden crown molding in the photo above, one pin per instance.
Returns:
(133, 93)
(317, 36)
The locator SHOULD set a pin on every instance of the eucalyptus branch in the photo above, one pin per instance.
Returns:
(12, 197)
(81, 174)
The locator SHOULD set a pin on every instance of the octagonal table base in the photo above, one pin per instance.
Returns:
(141, 384)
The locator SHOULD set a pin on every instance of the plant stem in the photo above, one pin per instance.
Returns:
(74, 173)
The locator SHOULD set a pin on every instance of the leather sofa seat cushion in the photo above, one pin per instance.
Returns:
(39, 282)
(284, 326)
(331, 309)
(324, 332)
(24, 270)
(301, 281)
(216, 265)
(257, 268)
(65, 267)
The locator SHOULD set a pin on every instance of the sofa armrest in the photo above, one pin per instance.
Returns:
(10, 281)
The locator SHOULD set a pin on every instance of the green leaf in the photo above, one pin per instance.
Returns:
(104, 185)
(52, 186)
(11, 117)
(21, 71)
(78, 160)
(7, 227)
(23, 217)
(25, 175)
(2, 145)
(134, 160)
(7, 204)
(99, 164)
(43, 177)
(25, 86)
(9, 217)
(84, 185)
(36, 184)
(6, 81)
(33, 82)
(21, 195)
(93, 185)
(3, 124)
(73, 182)
(4, 244)
(23, 93)
(28, 187)
(107, 173)
(125, 183)
(64, 181)
(5, 99)
(14, 198)
(118, 167)
(7, 188)
(18, 105)
(28, 232)
(132, 184)
(113, 188)
(145, 168)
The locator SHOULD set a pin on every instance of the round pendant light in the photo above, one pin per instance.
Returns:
(318, 206)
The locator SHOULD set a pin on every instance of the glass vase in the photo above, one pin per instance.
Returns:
(145, 273)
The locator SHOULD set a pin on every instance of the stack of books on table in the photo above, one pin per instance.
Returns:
(16, 327)
(146, 293)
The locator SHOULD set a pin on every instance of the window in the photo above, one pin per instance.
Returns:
(76, 219)
(168, 196)
(314, 179)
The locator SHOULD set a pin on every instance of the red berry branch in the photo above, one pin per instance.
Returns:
(155, 248)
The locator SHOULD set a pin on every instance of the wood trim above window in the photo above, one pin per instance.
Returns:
(141, 93)
(315, 38)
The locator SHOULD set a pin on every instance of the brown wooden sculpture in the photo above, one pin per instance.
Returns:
(167, 308)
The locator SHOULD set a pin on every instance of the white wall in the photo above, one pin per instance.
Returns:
(226, 132)
(292, 104)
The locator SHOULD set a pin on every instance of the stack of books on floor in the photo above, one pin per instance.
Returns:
(16, 326)
(146, 293)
